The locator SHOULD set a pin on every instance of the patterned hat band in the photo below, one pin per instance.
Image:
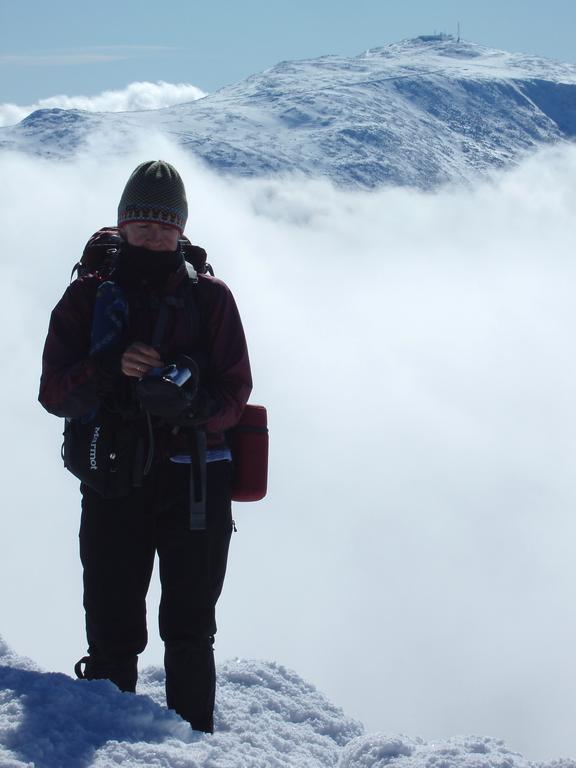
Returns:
(154, 192)
(162, 216)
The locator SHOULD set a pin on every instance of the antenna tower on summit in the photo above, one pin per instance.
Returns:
(458, 35)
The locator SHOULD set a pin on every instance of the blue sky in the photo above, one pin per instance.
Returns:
(69, 47)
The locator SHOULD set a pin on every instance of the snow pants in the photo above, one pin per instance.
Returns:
(119, 539)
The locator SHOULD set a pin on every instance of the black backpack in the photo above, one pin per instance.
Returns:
(102, 445)
(102, 249)
(106, 449)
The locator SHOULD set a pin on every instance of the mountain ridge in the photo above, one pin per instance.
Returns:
(421, 112)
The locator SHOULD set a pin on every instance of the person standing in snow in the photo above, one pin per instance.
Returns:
(119, 537)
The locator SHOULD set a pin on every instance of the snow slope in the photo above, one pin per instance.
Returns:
(419, 113)
(267, 716)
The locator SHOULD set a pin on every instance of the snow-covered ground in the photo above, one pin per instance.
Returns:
(266, 717)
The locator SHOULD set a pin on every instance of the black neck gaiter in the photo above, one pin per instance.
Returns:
(141, 266)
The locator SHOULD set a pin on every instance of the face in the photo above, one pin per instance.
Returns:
(151, 235)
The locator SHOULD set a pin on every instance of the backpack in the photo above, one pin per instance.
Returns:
(102, 249)
(248, 440)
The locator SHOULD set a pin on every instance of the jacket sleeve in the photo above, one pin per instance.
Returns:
(73, 381)
(228, 380)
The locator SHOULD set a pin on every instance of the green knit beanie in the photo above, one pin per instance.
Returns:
(154, 192)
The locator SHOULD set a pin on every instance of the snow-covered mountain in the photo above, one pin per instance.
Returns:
(420, 112)
(266, 717)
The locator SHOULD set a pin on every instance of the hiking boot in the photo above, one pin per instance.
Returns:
(122, 672)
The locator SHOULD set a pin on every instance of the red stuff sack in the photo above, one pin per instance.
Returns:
(248, 442)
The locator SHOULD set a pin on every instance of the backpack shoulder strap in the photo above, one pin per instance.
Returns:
(191, 304)
(192, 274)
(195, 255)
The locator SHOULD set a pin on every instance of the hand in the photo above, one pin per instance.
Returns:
(138, 359)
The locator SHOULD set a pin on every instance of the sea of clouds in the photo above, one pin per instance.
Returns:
(415, 556)
(135, 97)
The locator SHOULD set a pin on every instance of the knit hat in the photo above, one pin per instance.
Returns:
(154, 192)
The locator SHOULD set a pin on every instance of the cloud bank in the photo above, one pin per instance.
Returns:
(414, 558)
(136, 96)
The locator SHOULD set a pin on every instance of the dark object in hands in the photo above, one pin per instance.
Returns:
(169, 392)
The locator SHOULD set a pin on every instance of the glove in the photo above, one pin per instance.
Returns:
(161, 394)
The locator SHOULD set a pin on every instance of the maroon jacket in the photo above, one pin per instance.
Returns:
(73, 381)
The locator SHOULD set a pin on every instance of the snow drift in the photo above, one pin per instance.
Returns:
(266, 717)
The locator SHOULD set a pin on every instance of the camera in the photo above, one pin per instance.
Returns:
(169, 391)
(177, 374)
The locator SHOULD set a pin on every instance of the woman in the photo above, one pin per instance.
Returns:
(163, 316)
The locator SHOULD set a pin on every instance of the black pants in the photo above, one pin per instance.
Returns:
(118, 542)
